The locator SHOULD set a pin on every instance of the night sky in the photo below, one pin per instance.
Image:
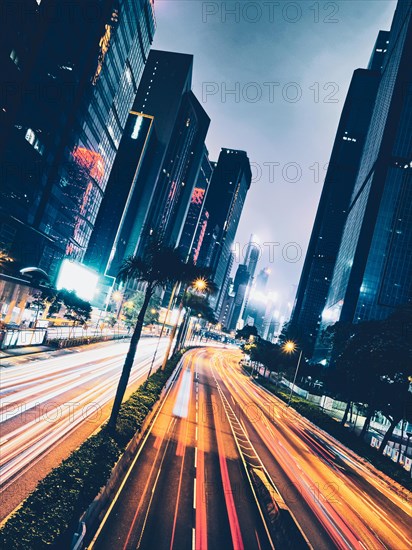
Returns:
(290, 64)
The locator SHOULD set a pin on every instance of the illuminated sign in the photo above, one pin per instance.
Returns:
(137, 125)
(77, 277)
(91, 161)
(104, 45)
(198, 195)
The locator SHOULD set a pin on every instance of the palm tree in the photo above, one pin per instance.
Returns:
(159, 266)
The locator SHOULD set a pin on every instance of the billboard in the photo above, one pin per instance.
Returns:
(77, 277)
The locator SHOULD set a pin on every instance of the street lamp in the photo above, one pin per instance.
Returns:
(290, 347)
(198, 284)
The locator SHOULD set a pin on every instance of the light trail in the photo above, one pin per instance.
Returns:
(43, 403)
(309, 458)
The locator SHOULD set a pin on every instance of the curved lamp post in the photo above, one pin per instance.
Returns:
(291, 347)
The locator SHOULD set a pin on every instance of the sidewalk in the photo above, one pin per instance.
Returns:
(24, 350)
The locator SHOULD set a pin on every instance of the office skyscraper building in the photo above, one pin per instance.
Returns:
(159, 162)
(252, 256)
(62, 127)
(240, 285)
(224, 203)
(373, 271)
(334, 203)
(258, 302)
(197, 218)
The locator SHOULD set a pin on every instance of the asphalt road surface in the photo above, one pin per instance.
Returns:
(187, 487)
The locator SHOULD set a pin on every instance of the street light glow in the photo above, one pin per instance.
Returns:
(289, 346)
(200, 284)
(117, 296)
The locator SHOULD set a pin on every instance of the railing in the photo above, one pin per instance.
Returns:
(14, 338)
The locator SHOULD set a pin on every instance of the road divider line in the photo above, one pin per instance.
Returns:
(228, 493)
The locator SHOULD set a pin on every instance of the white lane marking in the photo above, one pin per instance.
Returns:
(194, 493)
(197, 417)
(193, 538)
(196, 434)
(195, 457)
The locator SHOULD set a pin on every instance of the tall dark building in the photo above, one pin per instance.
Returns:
(135, 162)
(256, 306)
(240, 286)
(69, 73)
(224, 203)
(180, 171)
(159, 162)
(334, 202)
(197, 218)
(373, 271)
(252, 256)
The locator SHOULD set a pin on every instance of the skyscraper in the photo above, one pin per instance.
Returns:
(197, 218)
(334, 202)
(252, 256)
(257, 302)
(159, 162)
(240, 286)
(373, 271)
(65, 116)
(224, 203)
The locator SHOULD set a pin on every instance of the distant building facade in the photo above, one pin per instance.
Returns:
(224, 203)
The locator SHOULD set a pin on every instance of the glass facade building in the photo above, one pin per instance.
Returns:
(77, 88)
(240, 285)
(179, 173)
(333, 206)
(373, 271)
(224, 203)
(197, 218)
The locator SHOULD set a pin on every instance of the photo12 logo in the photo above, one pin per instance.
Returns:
(268, 11)
(270, 92)
(291, 252)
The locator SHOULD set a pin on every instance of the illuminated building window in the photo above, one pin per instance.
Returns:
(30, 136)
(14, 58)
(136, 128)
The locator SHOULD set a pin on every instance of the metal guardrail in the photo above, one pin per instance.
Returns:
(14, 338)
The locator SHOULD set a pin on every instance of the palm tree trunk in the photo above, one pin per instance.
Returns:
(128, 363)
(345, 416)
(388, 434)
(367, 422)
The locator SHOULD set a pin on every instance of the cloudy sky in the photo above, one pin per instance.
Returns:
(288, 65)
